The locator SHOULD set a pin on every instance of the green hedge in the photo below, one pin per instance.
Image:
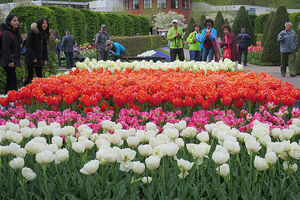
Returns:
(138, 44)
(79, 25)
(259, 23)
(136, 23)
(91, 24)
(252, 18)
(145, 25)
(295, 19)
(129, 27)
(21, 74)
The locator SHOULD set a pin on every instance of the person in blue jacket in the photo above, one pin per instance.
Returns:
(206, 38)
(115, 50)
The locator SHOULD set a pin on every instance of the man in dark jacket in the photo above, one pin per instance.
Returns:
(243, 40)
(100, 43)
(67, 46)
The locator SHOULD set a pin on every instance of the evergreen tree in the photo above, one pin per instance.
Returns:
(190, 28)
(218, 23)
(271, 53)
(226, 21)
(202, 21)
(242, 21)
(266, 28)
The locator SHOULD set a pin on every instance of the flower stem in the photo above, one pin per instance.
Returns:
(45, 182)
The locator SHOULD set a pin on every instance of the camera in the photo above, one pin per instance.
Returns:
(179, 36)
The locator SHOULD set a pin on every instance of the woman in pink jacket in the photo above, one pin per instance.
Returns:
(229, 41)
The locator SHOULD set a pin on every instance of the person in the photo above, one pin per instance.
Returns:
(175, 36)
(208, 35)
(115, 50)
(37, 54)
(243, 41)
(195, 49)
(11, 50)
(229, 41)
(67, 46)
(76, 50)
(288, 44)
(100, 43)
(58, 47)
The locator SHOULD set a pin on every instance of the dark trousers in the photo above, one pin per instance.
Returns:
(30, 72)
(122, 54)
(69, 59)
(175, 52)
(245, 51)
(288, 59)
(58, 57)
(11, 79)
(102, 55)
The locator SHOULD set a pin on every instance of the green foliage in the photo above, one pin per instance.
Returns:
(298, 63)
(271, 53)
(21, 74)
(252, 18)
(259, 23)
(64, 20)
(226, 21)
(259, 37)
(242, 21)
(190, 28)
(129, 27)
(202, 21)
(295, 20)
(103, 19)
(50, 68)
(136, 23)
(79, 25)
(91, 24)
(117, 24)
(145, 25)
(218, 23)
(266, 28)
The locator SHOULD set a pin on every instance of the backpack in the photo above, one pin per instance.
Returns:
(12, 38)
(24, 49)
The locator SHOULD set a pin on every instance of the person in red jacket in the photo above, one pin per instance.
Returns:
(229, 40)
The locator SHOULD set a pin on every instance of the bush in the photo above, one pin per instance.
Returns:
(138, 44)
(117, 24)
(295, 20)
(259, 37)
(259, 23)
(21, 74)
(190, 28)
(252, 18)
(242, 21)
(202, 21)
(136, 23)
(218, 23)
(91, 24)
(266, 28)
(79, 26)
(129, 27)
(271, 53)
(64, 20)
(145, 25)
(298, 63)
(103, 19)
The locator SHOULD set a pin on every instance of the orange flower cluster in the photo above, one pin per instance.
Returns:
(156, 87)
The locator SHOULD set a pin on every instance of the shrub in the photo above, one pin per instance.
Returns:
(295, 20)
(21, 74)
(79, 27)
(129, 27)
(242, 21)
(218, 23)
(252, 18)
(266, 28)
(190, 28)
(136, 23)
(271, 53)
(298, 63)
(117, 24)
(202, 21)
(103, 19)
(145, 25)
(91, 24)
(64, 20)
(259, 23)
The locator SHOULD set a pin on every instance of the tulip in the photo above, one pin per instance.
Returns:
(44, 157)
(145, 150)
(146, 180)
(17, 163)
(152, 162)
(138, 167)
(90, 168)
(28, 174)
(223, 170)
(220, 155)
(184, 167)
(61, 155)
(260, 163)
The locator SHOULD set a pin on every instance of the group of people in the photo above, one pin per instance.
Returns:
(204, 44)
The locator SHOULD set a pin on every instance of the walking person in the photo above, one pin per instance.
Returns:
(229, 42)
(37, 54)
(10, 56)
(288, 44)
(243, 43)
(175, 36)
(67, 46)
(208, 35)
(115, 50)
(58, 47)
(195, 44)
(100, 43)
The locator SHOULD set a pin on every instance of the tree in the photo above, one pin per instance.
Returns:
(226, 21)
(271, 52)
(2, 16)
(190, 28)
(202, 21)
(266, 28)
(219, 22)
(164, 20)
(242, 21)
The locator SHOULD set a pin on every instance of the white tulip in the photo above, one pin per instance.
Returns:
(294, 150)
(253, 146)
(61, 155)
(17, 163)
(265, 140)
(115, 139)
(68, 131)
(184, 167)
(108, 125)
(203, 136)
(78, 147)
(287, 134)
(88, 144)
(90, 168)
(150, 126)
(102, 142)
(181, 125)
(162, 139)
(232, 147)
(26, 132)
(141, 135)
(291, 167)
(53, 148)
(172, 149)
(260, 163)
(24, 123)
(223, 170)
(276, 132)
(44, 157)
(220, 155)
(138, 167)
(172, 133)
(145, 150)
(179, 142)
(189, 132)
(126, 155)
(146, 180)
(57, 140)
(36, 132)
(132, 141)
(152, 162)
(271, 158)
(28, 174)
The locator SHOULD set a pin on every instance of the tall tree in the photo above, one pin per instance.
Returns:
(219, 22)
(190, 28)
(266, 28)
(202, 21)
(271, 52)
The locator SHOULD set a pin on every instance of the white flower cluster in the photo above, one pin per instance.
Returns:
(192, 66)
(147, 53)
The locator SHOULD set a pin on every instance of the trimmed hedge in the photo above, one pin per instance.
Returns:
(218, 23)
(91, 24)
(190, 28)
(145, 25)
(79, 25)
(129, 27)
(259, 23)
(138, 44)
(136, 23)
(266, 28)
(252, 18)
(117, 24)
(295, 20)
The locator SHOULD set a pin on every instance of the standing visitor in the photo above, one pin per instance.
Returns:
(195, 49)
(243, 41)
(36, 54)
(288, 43)
(10, 52)
(100, 43)
(58, 47)
(115, 50)
(229, 41)
(175, 36)
(208, 35)
(67, 46)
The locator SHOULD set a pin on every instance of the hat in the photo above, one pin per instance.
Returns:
(108, 42)
(67, 30)
(175, 21)
(103, 26)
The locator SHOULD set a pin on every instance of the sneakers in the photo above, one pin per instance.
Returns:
(293, 75)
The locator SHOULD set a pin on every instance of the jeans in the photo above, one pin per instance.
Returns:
(69, 59)
(30, 71)
(59, 59)
(102, 55)
(245, 51)
(11, 79)
(208, 52)
(175, 52)
(195, 55)
(122, 54)
(288, 59)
